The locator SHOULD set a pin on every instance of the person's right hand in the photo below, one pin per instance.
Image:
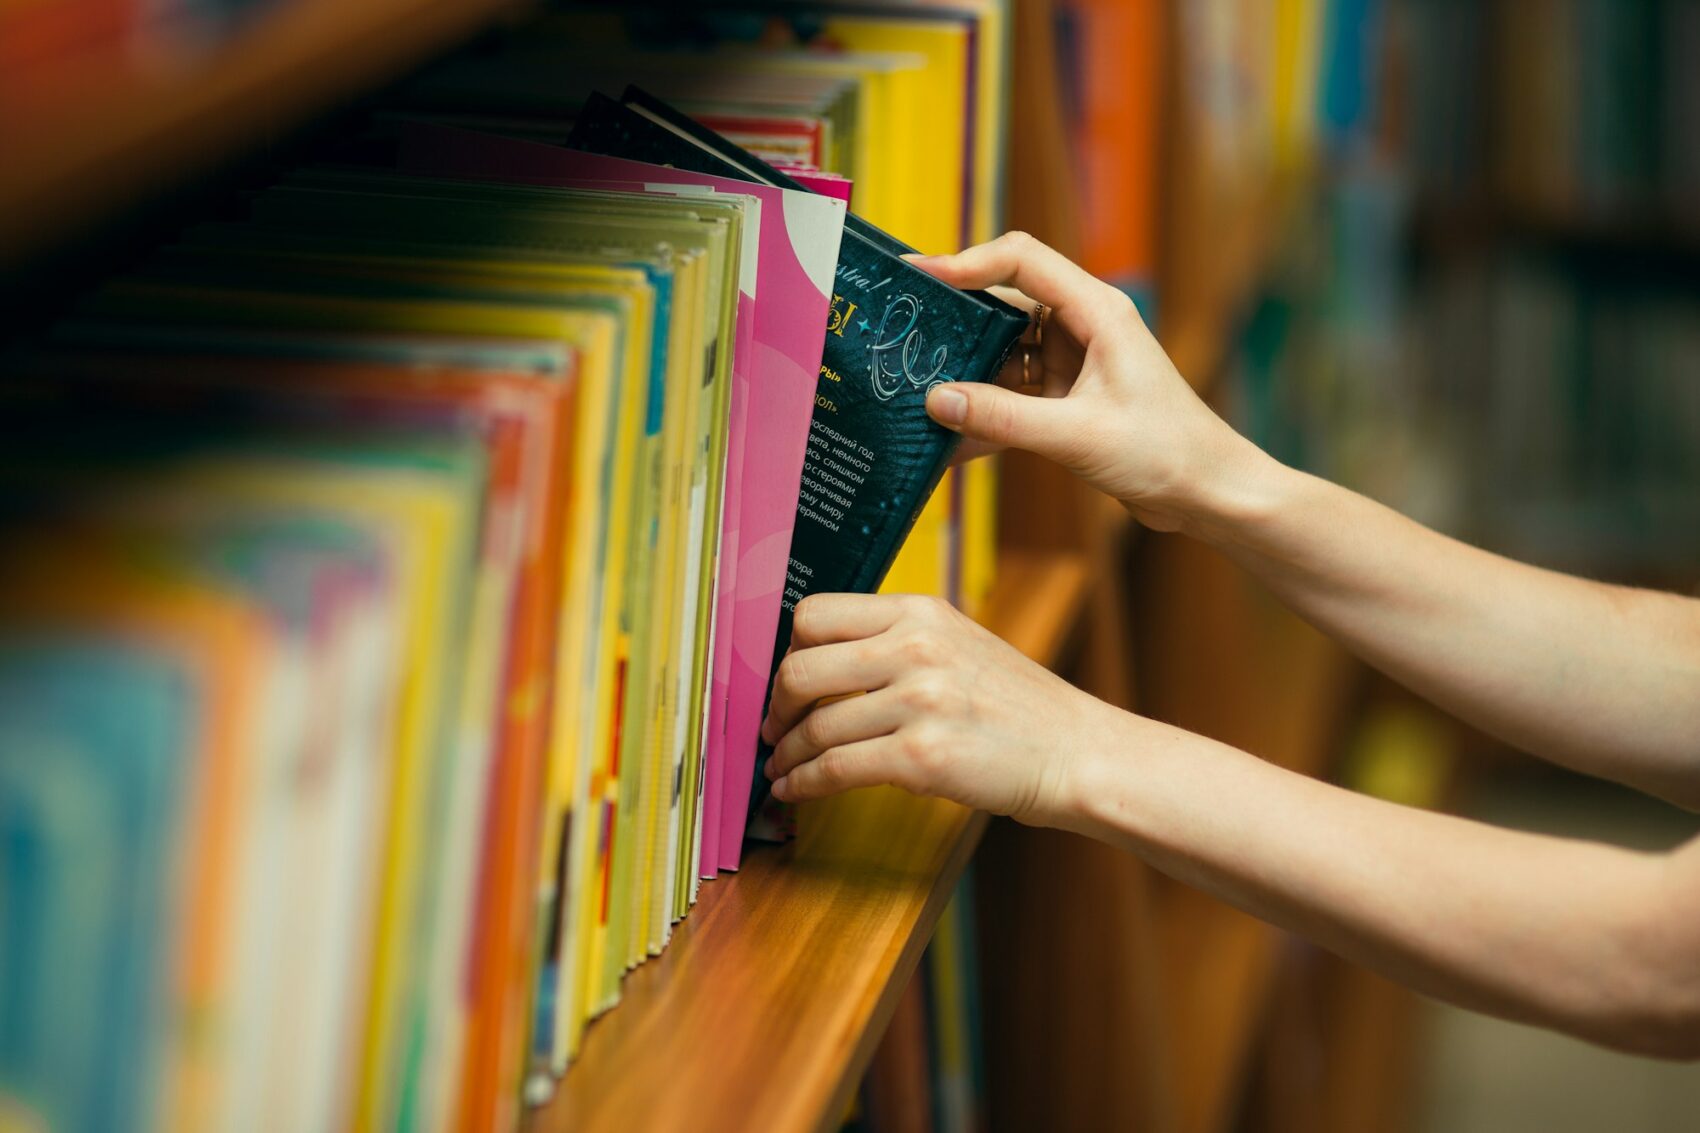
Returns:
(1115, 411)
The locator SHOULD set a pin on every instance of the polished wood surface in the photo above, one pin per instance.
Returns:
(768, 1004)
(130, 137)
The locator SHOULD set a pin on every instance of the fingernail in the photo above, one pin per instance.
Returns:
(780, 786)
(919, 257)
(767, 767)
(948, 406)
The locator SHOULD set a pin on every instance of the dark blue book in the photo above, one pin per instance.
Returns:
(874, 456)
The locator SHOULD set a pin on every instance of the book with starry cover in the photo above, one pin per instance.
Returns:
(893, 332)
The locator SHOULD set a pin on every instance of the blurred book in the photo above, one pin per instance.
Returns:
(371, 657)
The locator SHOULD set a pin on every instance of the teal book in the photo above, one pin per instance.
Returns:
(893, 333)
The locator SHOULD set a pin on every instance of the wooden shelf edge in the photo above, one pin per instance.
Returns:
(776, 989)
(120, 143)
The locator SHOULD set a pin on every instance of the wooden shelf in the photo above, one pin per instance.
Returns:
(1199, 332)
(1220, 973)
(128, 138)
(1220, 963)
(775, 990)
(1625, 236)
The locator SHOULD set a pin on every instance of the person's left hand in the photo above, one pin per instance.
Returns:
(950, 710)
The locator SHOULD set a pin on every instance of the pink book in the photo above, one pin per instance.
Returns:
(784, 302)
(826, 184)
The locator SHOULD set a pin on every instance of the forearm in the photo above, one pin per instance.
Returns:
(1575, 936)
(1601, 678)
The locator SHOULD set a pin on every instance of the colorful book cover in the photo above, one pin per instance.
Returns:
(95, 734)
(483, 272)
(492, 1015)
(524, 419)
(894, 332)
(785, 299)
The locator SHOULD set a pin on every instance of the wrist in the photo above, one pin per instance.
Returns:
(1242, 490)
(1138, 786)
(1095, 783)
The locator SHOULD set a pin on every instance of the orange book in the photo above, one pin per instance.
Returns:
(1117, 48)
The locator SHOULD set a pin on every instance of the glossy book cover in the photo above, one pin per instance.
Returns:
(893, 332)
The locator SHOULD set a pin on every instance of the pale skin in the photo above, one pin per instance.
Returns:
(1595, 941)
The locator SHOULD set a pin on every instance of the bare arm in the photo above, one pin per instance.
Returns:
(1601, 678)
(1595, 941)
(1592, 940)
(1599, 942)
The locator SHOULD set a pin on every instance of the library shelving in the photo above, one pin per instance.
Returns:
(776, 989)
(127, 136)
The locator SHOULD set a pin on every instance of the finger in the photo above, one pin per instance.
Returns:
(1079, 301)
(1003, 417)
(823, 619)
(1052, 367)
(807, 675)
(836, 725)
(1013, 297)
(865, 763)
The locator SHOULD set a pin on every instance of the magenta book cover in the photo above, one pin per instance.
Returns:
(826, 184)
(787, 299)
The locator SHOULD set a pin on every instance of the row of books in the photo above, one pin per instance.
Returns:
(1269, 88)
(1540, 410)
(397, 563)
(1571, 109)
(1278, 84)
(1577, 403)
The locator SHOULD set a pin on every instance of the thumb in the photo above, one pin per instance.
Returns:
(1000, 416)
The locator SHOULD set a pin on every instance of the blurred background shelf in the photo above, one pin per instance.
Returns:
(776, 989)
(119, 138)
(1230, 267)
(1218, 982)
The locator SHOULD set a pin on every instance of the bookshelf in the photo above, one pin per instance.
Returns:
(129, 138)
(1200, 327)
(777, 987)
(1221, 965)
(1178, 986)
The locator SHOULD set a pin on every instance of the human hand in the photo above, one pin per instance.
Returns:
(950, 710)
(1114, 410)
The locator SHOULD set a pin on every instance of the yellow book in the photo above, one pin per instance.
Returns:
(926, 129)
(1293, 99)
(979, 532)
(922, 566)
(884, 81)
(654, 803)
